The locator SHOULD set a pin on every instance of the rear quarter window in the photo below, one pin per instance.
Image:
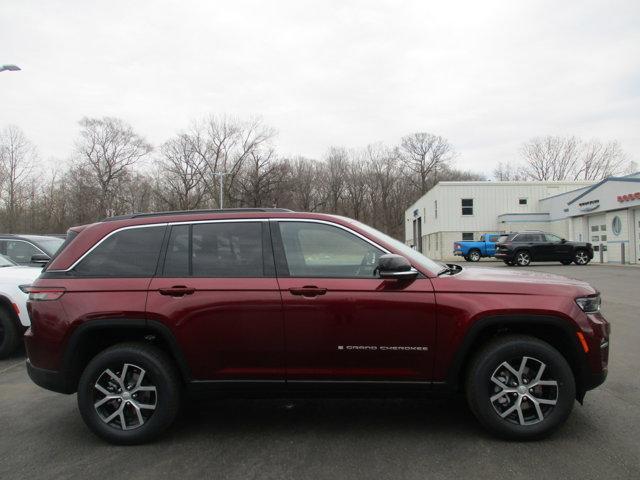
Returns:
(127, 253)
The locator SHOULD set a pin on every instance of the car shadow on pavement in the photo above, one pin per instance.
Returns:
(326, 416)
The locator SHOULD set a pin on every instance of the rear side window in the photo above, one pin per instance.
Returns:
(232, 249)
(128, 253)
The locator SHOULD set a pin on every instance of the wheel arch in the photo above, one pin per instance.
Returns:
(554, 330)
(92, 337)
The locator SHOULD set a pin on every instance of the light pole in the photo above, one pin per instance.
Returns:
(221, 175)
(9, 68)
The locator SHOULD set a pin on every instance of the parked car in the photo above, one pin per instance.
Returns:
(525, 247)
(137, 308)
(31, 250)
(473, 251)
(14, 318)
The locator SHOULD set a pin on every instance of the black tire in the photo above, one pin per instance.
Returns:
(10, 334)
(522, 258)
(581, 257)
(466, 258)
(480, 388)
(475, 255)
(159, 371)
(566, 262)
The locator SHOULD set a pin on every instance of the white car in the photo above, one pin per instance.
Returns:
(14, 319)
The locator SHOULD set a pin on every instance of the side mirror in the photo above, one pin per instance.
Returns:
(564, 240)
(395, 266)
(40, 259)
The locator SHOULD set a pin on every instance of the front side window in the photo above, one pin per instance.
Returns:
(493, 238)
(217, 250)
(319, 250)
(467, 206)
(131, 252)
(19, 251)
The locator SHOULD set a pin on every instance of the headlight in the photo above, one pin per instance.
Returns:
(589, 304)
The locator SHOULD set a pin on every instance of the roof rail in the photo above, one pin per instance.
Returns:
(194, 212)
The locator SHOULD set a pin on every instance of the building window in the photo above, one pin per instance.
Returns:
(468, 236)
(467, 206)
(594, 228)
(603, 238)
(522, 201)
(603, 228)
(435, 208)
(616, 225)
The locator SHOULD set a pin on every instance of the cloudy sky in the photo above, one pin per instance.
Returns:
(487, 75)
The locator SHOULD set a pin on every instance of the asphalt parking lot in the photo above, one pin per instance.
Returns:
(42, 435)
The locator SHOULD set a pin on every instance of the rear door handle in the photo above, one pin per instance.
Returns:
(176, 291)
(308, 291)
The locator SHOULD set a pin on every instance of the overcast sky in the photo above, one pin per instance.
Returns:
(487, 75)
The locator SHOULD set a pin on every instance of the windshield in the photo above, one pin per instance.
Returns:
(6, 262)
(503, 238)
(50, 245)
(414, 255)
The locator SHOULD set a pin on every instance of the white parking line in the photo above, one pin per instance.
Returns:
(10, 367)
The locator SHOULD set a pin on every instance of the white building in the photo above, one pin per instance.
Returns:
(606, 213)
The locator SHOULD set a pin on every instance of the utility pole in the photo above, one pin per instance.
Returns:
(221, 175)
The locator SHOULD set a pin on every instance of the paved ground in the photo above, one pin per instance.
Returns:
(42, 436)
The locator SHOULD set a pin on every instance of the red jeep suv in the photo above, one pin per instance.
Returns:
(135, 310)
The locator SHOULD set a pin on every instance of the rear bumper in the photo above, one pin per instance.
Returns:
(458, 253)
(49, 379)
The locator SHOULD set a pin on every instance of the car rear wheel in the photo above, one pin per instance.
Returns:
(523, 258)
(474, 256)
(9, 334)
(129, 393)
(520, 388)
(581, 257)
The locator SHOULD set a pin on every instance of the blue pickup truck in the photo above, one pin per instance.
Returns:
(473, 251)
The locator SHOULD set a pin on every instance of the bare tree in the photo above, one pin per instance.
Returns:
(570, 158)
(109, 147)
(423, 155)
(180, 170)
(505, 172)
(600, 160)
(17, 158)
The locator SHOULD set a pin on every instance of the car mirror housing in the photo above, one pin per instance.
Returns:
(40, 259)
(395, 266)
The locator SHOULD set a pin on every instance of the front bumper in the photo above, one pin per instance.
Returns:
(49, 379)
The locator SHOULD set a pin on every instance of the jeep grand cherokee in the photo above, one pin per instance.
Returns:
(136, 309)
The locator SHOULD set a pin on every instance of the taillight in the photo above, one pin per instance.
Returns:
(45, 293)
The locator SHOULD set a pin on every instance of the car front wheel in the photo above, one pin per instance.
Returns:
(581, 257)
(520, 388)
(129, 393)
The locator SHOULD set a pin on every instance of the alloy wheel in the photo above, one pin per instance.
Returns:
(125, 399)
(523, 259)
(581, 258)
(525, 394)
(474, 256)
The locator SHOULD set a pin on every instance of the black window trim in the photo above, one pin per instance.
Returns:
(282, 268)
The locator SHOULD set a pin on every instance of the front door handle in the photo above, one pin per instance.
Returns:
(308, 291)
(176, 291)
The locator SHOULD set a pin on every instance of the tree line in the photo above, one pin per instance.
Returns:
(114, 170)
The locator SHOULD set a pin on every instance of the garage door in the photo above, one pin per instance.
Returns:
(598, 236)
